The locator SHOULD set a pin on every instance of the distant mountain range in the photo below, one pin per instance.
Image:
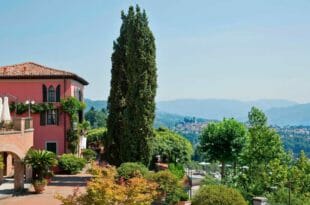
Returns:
(279, 112)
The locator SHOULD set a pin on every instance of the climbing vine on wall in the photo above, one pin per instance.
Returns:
(72, 106)
(21, 108)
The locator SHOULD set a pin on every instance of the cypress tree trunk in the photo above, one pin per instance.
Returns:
(133, 89)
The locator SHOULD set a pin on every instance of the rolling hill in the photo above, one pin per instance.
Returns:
(279, 112)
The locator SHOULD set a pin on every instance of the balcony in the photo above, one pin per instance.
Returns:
(19, 125)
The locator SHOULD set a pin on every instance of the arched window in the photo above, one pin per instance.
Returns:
(51, 94)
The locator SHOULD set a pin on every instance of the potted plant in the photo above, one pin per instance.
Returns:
(48, 176)
(41, 162)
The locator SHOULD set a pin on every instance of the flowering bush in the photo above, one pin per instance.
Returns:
(105, 189)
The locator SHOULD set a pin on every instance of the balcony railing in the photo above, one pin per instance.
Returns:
(18, 125)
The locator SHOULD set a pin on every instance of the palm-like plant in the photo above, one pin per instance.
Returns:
(41, 162)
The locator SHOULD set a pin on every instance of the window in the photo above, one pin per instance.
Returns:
(78, 94)
(51, 94)
(52, 117)
(49, 117)
(51, 146)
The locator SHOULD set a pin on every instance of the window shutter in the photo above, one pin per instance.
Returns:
(43, 118)
(58, 93)
(57, 117)
(44, 93)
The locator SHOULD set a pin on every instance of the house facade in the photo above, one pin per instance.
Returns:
(32, 83)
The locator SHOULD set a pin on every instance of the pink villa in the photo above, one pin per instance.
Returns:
(33, 83)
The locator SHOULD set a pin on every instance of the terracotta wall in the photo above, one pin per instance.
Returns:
(32, 90)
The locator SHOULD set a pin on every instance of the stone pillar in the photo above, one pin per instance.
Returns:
(19, 174)
(260, 201)
(28, 174)
(9, 165)
(1, 176)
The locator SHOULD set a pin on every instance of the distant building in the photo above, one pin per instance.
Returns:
(33, 82)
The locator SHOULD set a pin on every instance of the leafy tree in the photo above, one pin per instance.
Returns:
(223, 141)
(131, 102)
(264, 156)
(96, 118)
(299, 175)
(257, 118)
(172, 148)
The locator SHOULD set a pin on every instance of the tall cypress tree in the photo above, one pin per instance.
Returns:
(117, 98)
(133, 89)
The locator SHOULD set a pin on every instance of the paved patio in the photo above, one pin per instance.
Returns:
(62, 184)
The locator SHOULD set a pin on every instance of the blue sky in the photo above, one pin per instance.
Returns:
(250, 49)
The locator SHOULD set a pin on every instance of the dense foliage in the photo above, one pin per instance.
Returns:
(132, 169)
(96, 118)
(264, 156)
(177, 170)
(169, 188)
(73, 107)
(105, 189)
(131, 103)
(223, 141)
(89, 154)
(171, 147)
(41, 161)
(96, 137)
(71, 164)
(218, 195)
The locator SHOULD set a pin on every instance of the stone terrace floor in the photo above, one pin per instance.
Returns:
(61, 184)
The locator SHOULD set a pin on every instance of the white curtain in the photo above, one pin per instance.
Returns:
(6, 116)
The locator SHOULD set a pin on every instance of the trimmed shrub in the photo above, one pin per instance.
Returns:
(89, 154)
(71, 164)
(132, 169)
(218, 195)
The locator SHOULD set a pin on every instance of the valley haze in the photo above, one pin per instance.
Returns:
(279, 112)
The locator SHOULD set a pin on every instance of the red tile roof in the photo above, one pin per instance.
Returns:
(30, 70)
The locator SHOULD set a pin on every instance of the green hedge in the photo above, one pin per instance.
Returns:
(218, 195)
(71, 164)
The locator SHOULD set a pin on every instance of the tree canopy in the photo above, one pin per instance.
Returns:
(223, 141)
(172, 147)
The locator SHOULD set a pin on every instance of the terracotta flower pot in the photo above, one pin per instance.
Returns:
(39, 186)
